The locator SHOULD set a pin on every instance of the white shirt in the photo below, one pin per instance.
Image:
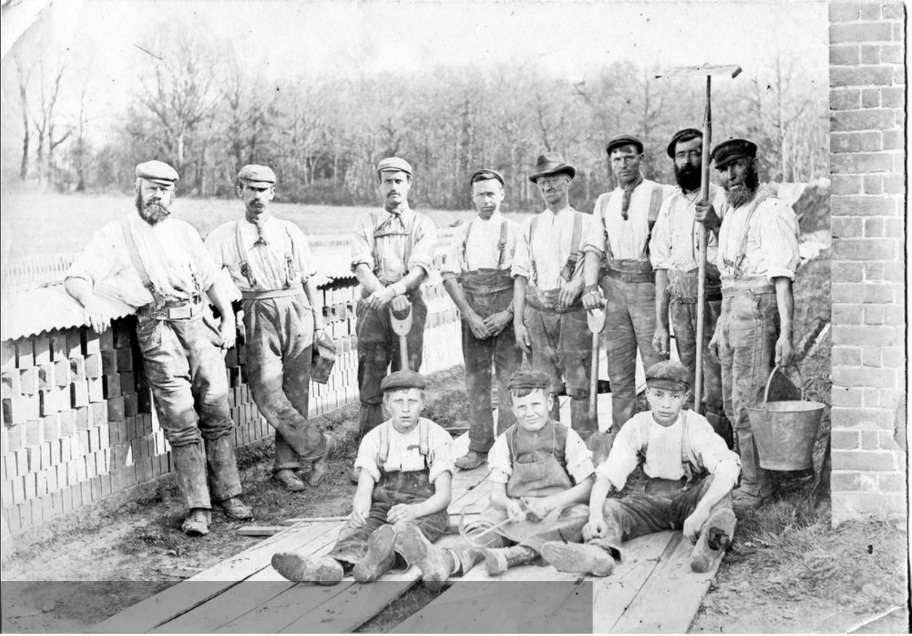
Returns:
(386, 255)
(627, 238)
(404, 451)
(772, 241)
(481, 249)
(578, 457)
(550, 248)
(674, 243)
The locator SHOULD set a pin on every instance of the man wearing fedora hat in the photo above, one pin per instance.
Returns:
(620, 243)
(477, 278)
(550, 320)
(270, 262)
(159, 265)
(757, 259)
(392, 254)
(675, 252)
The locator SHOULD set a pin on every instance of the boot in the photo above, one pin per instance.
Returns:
(235, 508)
(224, 480)
(197, 523)
(714, 539)
(436, 564)
(321, 465)
(289, 480)
(380, 555)
(465, 558)
(471, 460)
(577, 558)
(190, 467)
(499, 560)
(305, 569)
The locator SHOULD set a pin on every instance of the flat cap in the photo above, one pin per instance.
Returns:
(257, 174)
(730, 149)
(394, 164)
(668, 374)
(685, 134)
(529, 380)
(551, 163)
(484, 174)
(403, 380)
(624, 140)
(157, 172)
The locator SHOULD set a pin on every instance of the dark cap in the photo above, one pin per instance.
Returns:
(253, 173)
(685, 134)
(403, 380)
(157, 172)
(731, 149)
(394, 164)
(529, 380)
(624, 140)
(668, 374)
(551, 163)
(484, 174)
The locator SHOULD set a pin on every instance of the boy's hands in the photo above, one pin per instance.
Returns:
(595, 529)
(694, 523)
(403, 512)
(536, 508)
(515, 510)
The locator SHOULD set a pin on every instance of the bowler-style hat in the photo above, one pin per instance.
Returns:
(668, 374)
(624, 140)
(551, 163)
(403, 380)
(731, 149)
(157, 172)
(252, 173)
(685, 134)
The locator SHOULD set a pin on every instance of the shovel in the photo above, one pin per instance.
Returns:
(401, 327)
(596, 320)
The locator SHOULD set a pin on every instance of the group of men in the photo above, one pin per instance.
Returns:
(520, 289)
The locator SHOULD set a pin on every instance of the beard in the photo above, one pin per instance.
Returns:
(152, 212)
(688, 177)
(749, 184)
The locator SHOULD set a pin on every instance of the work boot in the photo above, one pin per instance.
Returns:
(465, 558)
(380, 555)
(577, 558)
(744, 501)
(318, 472)
(471, 460)
(289, 480)
(197, 523)
(715, 538)
(322, 570)
(499, 560)
(436, 564)
(235, 508)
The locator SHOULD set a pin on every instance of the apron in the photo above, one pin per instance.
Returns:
(487, 290)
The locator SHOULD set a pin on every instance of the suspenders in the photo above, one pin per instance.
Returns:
(501, 245)
(742, 248)
(575, 247)
(137, 261)
(380, 232)
(423, 446)
(652, 215)
(247, 272)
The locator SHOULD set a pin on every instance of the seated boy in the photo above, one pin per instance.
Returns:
(403, 491)
(675, 445)
(541, 472)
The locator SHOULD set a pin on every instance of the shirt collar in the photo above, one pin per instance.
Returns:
(561, 211)
(495, 218)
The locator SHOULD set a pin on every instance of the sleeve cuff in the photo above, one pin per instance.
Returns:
(370, 468)
(594, 249)
(583, 471)
(780, 273)
(362, 261)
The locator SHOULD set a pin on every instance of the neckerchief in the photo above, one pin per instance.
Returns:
(628, 190)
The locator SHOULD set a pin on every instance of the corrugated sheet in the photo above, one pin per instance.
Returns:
(32, 311)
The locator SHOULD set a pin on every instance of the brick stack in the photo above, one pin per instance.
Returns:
(867, 144)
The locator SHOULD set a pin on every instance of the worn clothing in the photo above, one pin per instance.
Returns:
(674, 243)
(542, 254)
(476, 245)
(404, 452)
(392, 244)
(759, 240)
(518, 445)
(615, 238)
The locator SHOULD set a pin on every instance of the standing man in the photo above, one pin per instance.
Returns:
(758, 257)
(620, 240)
(392, 253)
(160, 266)
(549, 317)
(270, 262)
(477, 278)
(675, 252)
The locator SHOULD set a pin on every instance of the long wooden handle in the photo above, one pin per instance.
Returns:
(593, 378)
(701, 241)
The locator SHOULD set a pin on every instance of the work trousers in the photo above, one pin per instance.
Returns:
(279, 356)
(562, 348)
(567, 527)
(749, 327)
(378, 346)
(630, 319)
(186, 371)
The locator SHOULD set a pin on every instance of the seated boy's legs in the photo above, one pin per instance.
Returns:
(718, 530)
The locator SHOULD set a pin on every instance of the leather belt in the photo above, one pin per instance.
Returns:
(755, 284)
(296, 290)
(187, 311)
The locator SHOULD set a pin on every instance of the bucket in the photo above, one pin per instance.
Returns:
(785, 431)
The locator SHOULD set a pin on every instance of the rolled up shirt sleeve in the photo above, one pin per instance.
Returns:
(622, 459)
(441, 450)
(362, 250)
(368, 452)
(452, 266)
(594, 241)
(779, 241)
(711, 451)
(522, 257)
(579, 458)
(499, 461)
(660, 243)
(97, 261)
(306, 261)
(425, 242)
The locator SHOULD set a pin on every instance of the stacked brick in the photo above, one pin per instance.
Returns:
(867, 144)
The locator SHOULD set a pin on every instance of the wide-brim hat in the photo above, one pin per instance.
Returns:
(689, 133)
(624, 140)
(730, 149)
(551, 163)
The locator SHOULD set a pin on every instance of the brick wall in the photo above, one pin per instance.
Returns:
(867, 147)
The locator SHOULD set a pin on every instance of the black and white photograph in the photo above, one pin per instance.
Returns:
(480, 316)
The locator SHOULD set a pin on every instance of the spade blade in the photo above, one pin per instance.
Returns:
(702, 70)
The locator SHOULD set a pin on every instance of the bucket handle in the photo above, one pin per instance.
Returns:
(769, 381)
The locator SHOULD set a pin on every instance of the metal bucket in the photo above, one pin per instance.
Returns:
(785, 431)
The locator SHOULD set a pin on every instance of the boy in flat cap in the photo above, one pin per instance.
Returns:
(402, 495)
(619, 275)
(392, 254)
(758, 258)
(270, 262)
(674, 251)
(477, 277)
(159, 265)
(549, 317)
(541, 472)
(677, 448)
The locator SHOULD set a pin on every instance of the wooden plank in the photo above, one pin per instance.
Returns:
(670, 599)
(612, 595)
(573, 616)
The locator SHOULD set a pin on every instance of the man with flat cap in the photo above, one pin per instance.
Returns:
(618, 267)
(674, 251)
(757, 258)
(550, 320)
(270, 262)
(477, 278)
(159, 265)
(392, 254)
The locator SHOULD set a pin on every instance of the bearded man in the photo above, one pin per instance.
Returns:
(757, 259)
(160, 266)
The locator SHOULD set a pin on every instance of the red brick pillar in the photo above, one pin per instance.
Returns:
(867, 165)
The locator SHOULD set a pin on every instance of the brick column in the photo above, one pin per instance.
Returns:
(867, 165)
